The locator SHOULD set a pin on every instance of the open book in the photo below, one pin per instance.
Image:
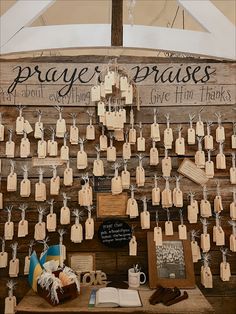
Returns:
(112, 297)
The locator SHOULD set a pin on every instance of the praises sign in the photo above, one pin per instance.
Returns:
(114, 233)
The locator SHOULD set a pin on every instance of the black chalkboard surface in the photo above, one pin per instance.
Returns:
(114, 233)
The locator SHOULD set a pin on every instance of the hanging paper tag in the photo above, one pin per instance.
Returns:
(27, 127)
(225, 272)
(168, 138)
(64, 153)
(55, 185)
(169, 228)
(82, 160)
(42, 149)
(65, 216)
(14, 267)
(116, 185)
(10, 149)
(219, 236)
(125, 179)
(1, 200)
(141, 144)
(220, 161)
(129, 95)
(133, 246)
(89, 229)
(60, 128)
(208, 142)
(205, 208)
(209, 168)
(76, 234)
(232, 242)
(192, 214)
(232, 175)
(74, 135)
(26, 265)
(37, 129)
(12, 182)
(166, 166)
(218, 207)
(233, 141)
(180, 146)
(155, 132)
(182, 232)
(196, 253)
(233, 211)
(145, 219)
(22, 228)
(154, 156)
(205, 242)
(126, 151)
(51, 222)
(52, 148)
(40, 192)
(101, 108)
(110, 120)
(158, 236)
(95, 93)
(220, 134)
(8, 230)
(191, 136)
(68, 177)
(25, 188)
(200, 159)
(3, 259)
(24, 148)
(140, 176)
(156, 196)
(123, 83)
(111, 153)
(98, 168)
(10, 305)
(132, 208)
(103, 142)
(200, 128)
(90, 132)
(40, 231)
(132, 136)
(1, 132)
(19, 125)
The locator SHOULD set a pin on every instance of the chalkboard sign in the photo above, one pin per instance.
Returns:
(114, 233)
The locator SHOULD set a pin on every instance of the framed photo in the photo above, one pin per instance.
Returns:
(109, 205)
(83, 262)
(171, 264)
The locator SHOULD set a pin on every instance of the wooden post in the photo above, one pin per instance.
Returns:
(117, 23)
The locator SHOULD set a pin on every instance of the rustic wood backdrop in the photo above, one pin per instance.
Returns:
(176, 98)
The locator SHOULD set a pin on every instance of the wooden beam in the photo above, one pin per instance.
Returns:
(117, 23)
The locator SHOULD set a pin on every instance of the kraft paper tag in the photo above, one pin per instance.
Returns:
(22, 228)
(233, 141)
(25, 188)
(196, 253)
(12, 182)
(122, 113)
(155, 132)
(10, 305)
(169, 228)
(10, 149)
(191, 136)
(132, 136)
(133, 246)
(95, 93)
(168, 138)
(156, 196)
(19, 125)
(64, 153)
(42, 149)
(233, 211)
(140, 176)
(26, 265)
(225, 272)
(40, 231)
(220, 161)
(232, 172)
(89, 229)
(1, 200)
(208, 142)
(111, 153)
(192, 214)
(74, 135)
(27, 127)
(98, 168)
(116, 185)
(182, 232)
(126, 151)
(218, 206)
(177, 198)
(158, 236)
(200, 128)
(68, 177)
(205, 208)
(8, 230)
(129, 95)
(37, 130)
(132, 208)
(206, 277)
(90, 132)
(205, 242)
(51, 222)
(180, 146)
(209, 169)
(54, 186)
(3, 259)
(76, 234)
(118, 121)
(232, 242)
(141, 144)
(218, 236)
(119, 135)
(14, 268)
(200, 159)
(145, 219)
(110, 120)
(125, 179)
(1, 132)
(82, 160)
(101, 108)
(24, 148)
(220, 134)
(52, 148)
(166, 166)
(103, 142)
(154, 156)
(123, 83)
(166, 198)
(60, 128)
(40, 192)
(65, 216)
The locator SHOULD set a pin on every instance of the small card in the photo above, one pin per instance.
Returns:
(169, 228)
(40, 231)
(191, 136)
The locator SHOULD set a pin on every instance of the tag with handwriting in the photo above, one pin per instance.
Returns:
(125, 179)
(126, 151)
(168, 138)
(205, 208)
(166, 166)
(37, 129)
(95, 93)
(155, 132)
(40, 192)
(19, 125)
(132, 136)
(64, 153)
(200, 128)
(209, 169)
(27, 127)
(225, 272)
(220, 134)
(145, 219)
(180, 146)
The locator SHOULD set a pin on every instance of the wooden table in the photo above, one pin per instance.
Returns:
(195, 304)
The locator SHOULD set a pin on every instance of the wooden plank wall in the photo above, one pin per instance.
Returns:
(162, 95)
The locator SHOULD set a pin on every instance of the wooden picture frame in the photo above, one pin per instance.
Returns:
(86, 261)
(109, 205)
(178, 271)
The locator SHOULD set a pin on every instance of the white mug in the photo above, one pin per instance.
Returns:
(134, 278)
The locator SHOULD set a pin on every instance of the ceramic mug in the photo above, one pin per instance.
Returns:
(134, 278)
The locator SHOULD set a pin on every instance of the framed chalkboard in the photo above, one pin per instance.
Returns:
(114, 233)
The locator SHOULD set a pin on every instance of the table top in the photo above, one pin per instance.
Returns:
(33, 303)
